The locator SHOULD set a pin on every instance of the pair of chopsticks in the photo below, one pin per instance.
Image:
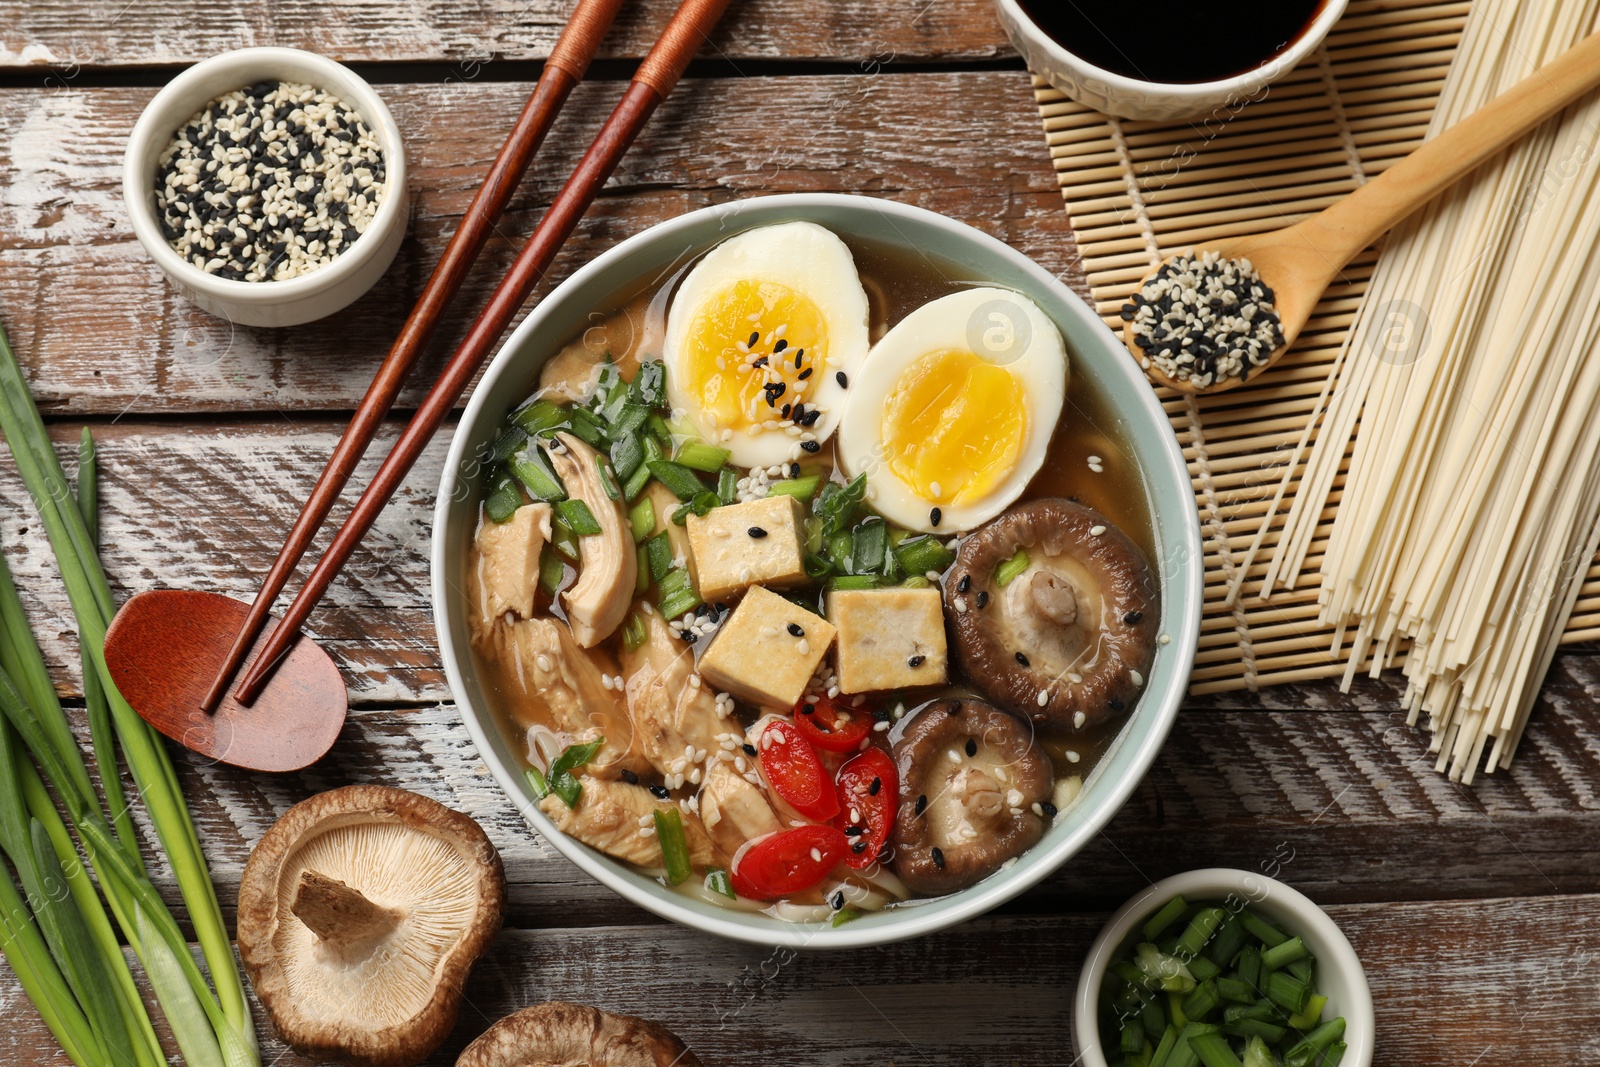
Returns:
(654, 80)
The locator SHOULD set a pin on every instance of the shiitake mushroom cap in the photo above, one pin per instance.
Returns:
(965, 764)
(562, 1033)
(1079, 625)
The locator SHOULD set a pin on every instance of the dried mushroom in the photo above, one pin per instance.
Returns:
(1068, 638)
(575, 1035)
(600, 598)
(360, 913)
(970, 775)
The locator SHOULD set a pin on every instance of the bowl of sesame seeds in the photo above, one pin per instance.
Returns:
(268, 184)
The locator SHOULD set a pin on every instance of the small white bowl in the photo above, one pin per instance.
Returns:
(1339, 973)
(1133, 98)
(271, 303)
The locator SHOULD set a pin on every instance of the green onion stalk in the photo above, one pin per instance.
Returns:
(67, 957)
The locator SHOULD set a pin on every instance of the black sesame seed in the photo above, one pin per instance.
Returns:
(938, 857)
(808, 709)
(983, 598)
(880, 715)
(756, 532)
(964, 584)
(854, 831)
(794, 470)
(780, 346)
(1117, 704)
(858, 846)
(784, 411)
(1048, 808)
(810, 446)
(844, 382)
(629, 777)
(1132, 617)
(749, 749)
(953, 708)
(972, 747)
(922, 804)
(755, 336)
(838, 901)
(916, 661)
(877, 784)
(758, 364)
(934, 516)
(795, 630)
(1023, 659)
(659, 792)
(803, 375)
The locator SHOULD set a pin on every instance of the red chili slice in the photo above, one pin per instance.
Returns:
(796, 773)
(830, 727)
(869, 792)
(788, 862)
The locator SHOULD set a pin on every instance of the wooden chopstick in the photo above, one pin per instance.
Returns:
(568, 61)
(654, 80)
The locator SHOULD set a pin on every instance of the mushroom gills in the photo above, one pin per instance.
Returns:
(1053, 613)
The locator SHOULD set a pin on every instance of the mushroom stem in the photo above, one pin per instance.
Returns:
(338, 913)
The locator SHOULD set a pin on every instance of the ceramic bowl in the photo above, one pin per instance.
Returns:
(1133, 98)
(313, 295)
(1339, 974)
(656, 253)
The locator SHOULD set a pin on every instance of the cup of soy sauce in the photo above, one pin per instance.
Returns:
(1166, 60)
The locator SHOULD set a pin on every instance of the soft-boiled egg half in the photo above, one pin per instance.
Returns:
(763, 338)
(952, 413)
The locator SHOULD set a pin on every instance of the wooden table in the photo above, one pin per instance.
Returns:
(1475, 909)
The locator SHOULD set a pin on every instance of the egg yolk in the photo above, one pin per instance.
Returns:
(754, 351)
(954, 426)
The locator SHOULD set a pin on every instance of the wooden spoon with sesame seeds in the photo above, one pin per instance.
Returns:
(1297, 263)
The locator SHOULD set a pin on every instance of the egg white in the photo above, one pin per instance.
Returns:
(810, 260)
(997, 325)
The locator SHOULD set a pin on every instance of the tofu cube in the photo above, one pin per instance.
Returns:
(759, 542)
(888, 638)
(767, 650)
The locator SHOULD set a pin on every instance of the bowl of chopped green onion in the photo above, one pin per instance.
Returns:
(1222, 968)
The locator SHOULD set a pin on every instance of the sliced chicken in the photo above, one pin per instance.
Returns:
(569, 376)
(553, 672)
(670, 714)
(598, 600)
(506, 570)
(734, 810)
(619, 819)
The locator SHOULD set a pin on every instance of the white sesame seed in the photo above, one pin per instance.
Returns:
(1138, 679)
(1165, 639)
(1096, 531)
(1072, 756)
(1078, 719)
(1044, 698)
(816, 856)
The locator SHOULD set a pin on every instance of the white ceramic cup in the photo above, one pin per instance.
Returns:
(1339, 977)
(269, 303)
(1133, 98)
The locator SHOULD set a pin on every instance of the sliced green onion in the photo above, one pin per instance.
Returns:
(537, 782)
(627, 453)
(641, 580)
(608, 483)
(633, 633)
(512, 439)
(503, 498)
(628, 422)
(642, 518)
(1167, 971)
(1202, 1000)
(676, 593)
(717, 881)
(552, 572)
(1183, 1053)
(1008, 570)
(1235, 990)
(563, 538)
(540, 416)
(1313, 1044)
(845, 915)
(1230, 938)
(817, 566)
(1202, 968)
(697, 455)
(1262, 930)
(658, 553)
(799, 488)
(1132, 1038)
(674, 845)
(534, 472)
(563, 783)
(576, 514)
(1164, 1050)
(634, 484)
(1213, 1050)
(682, 481)
(649, 387)
(1279, 956)
(1268, 1031)
(1334, 1054)
(1247, 966)
(839, 548)
(1287, 992)
(1312, 1014)
(728, 485)
(1257, 1054)
(700, 504)
(836, 506)
(871, 543)
(588, 428)
(664, 432)
(923, 554)
(845, 582)
(1199, 931)
(916, 581)
(1157, 924)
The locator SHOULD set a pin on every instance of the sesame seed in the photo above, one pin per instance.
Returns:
(938, 857)
(934, 515)
(1044, 697)
(972, 747)
(659, 792)
(1078, 719)
(1165, 639)
(1096, 531)
(1136, 678)
(964, 584)
(922, 805)
(1049, 809)
(844, 382)
(755, 338)
(1132, 618)
(756, 532)
(877, 784)
(816, 855)
(916, 661)
(1072, 756)
(796, 630)
(811, 446)
(983, 598)
(1023, 659)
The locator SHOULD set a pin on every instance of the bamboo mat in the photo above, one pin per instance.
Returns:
(1138, 191)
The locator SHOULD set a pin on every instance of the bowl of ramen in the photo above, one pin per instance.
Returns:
(816, 570)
